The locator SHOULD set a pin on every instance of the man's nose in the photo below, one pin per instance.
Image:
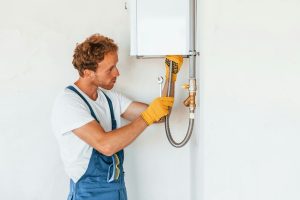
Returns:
(117, 73)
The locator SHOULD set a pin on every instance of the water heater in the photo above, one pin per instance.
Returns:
(159, 27)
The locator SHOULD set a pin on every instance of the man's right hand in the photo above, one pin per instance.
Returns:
(157, 109)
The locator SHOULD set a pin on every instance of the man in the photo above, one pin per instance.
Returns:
(86, 121)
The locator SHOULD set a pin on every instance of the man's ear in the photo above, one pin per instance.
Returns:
(88, 73)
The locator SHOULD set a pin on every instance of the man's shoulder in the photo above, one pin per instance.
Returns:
(67, 96)
(119, 99)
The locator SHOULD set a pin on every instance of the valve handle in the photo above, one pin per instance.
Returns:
(186, 86)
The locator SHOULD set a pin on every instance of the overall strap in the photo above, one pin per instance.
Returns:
(87, 103)
(112, 115)
(115, 157)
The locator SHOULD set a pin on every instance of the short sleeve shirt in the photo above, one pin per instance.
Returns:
(71, 112)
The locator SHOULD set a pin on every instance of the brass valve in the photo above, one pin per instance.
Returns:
(187, 101)
(190, 100)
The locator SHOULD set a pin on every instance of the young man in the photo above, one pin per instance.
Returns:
(86, 121)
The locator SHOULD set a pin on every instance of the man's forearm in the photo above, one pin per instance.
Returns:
(119, 138)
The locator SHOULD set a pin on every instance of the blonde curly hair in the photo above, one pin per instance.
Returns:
(89, 53)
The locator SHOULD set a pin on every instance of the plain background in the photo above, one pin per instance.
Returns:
(245, 143)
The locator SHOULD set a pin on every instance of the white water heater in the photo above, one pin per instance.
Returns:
(159, 27)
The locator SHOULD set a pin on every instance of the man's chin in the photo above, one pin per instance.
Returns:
(108, 87)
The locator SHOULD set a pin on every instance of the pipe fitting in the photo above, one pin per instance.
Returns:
(192, 94)
(192, 85)
(192, 102)
(187, 101)
(194, 53)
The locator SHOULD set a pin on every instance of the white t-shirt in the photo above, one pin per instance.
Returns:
(71, 112)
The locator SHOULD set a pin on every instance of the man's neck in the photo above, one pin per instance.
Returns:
(88, 88)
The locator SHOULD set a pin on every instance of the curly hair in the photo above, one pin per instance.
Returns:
(89, 53)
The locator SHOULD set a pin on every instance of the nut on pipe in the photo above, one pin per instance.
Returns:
(192, 102)
(192, 94)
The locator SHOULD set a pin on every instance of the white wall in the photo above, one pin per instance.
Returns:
(246, 143)
(37, 39)
(250, 101)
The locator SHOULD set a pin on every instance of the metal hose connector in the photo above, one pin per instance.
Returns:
(186, 138)
(167, 123)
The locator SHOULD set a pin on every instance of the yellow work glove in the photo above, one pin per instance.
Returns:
(157, 109)
(177, 63)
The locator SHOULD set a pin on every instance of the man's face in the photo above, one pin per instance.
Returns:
(107, 72)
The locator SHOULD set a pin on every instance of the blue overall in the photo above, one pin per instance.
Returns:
(99, 182)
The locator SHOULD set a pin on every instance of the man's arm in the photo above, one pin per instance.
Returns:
(113, 141)
(139, 113)
(134, 110)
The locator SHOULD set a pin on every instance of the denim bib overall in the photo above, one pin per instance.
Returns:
(100, 181)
